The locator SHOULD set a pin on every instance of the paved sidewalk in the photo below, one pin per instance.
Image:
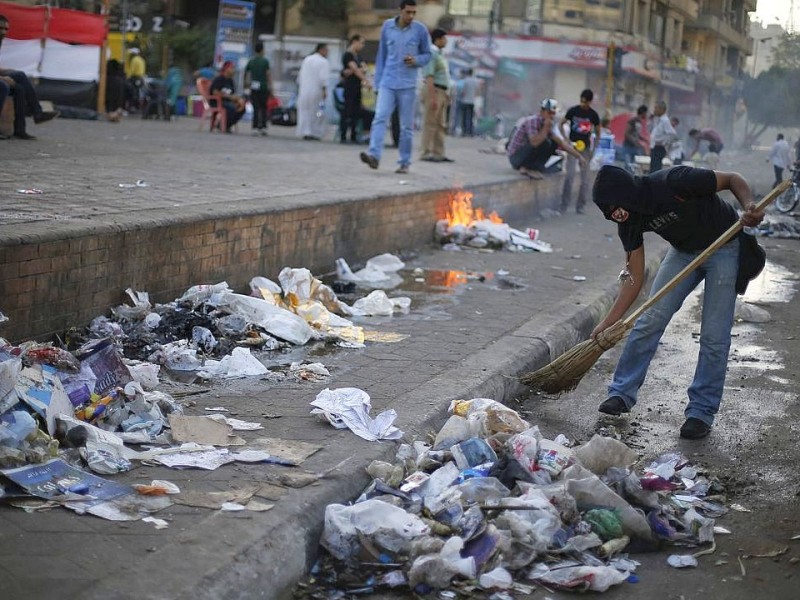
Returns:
(464, 341)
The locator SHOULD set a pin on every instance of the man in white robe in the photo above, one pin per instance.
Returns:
(312, 81)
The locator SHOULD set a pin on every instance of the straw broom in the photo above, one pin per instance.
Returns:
(565, 372)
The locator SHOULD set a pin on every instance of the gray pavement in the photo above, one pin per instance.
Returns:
(461, 341)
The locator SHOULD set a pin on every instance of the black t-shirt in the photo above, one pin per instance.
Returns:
(582, 122)
(223, 84)
(683, 208)
(352, 80)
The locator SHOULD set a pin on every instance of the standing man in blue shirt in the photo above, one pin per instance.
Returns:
(404, 47)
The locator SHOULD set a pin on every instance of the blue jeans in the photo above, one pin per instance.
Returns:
(719, 299)
(388, 99)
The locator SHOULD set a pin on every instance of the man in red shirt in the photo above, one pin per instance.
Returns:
(709, 135)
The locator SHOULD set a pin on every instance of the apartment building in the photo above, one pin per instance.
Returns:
(690, 53)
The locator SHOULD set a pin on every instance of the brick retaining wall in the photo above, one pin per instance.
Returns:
(50, 286)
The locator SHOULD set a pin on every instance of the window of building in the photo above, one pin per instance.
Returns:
(470, 8)
(657, 24)
(385, 4)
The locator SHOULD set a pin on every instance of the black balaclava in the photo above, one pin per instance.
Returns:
(615, 187)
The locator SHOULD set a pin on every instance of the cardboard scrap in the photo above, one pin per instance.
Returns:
(203, 430)
(258, 506)
(215, 500)
(206, 459)
(291, 450)
(271, 492)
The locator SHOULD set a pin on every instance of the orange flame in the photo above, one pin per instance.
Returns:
(462, 213)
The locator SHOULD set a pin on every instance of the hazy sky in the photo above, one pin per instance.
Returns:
(779, 11)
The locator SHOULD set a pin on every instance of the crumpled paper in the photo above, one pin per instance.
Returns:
(349, 408)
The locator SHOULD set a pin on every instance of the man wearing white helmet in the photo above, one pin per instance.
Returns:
(535, 139)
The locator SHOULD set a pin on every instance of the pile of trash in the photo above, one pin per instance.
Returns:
(210, 329)
(63, 411)
(472, 227)
(493, 506)
(489, 234)
(68, 419)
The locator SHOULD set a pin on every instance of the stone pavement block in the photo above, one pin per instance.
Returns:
(53, 521)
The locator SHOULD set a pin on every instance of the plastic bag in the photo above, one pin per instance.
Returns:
(590, 492)
(388, 263)
(570, 576)
(455, 430)
(438, 570)
(390, 527)
(484, 490)
(239, 363)
(274, 320)
(197, 294)
(601, 453)
(524, 448)
(496, 579)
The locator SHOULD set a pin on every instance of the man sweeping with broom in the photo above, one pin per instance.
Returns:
(681, 205)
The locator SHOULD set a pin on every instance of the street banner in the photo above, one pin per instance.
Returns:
(234, 34)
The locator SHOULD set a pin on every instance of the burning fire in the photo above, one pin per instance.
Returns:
(462, 213)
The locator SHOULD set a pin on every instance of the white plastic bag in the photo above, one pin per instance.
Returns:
(276, 321)
(388, 526)
(240, 363)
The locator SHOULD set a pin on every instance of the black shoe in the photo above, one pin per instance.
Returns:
(428, 159)
(614, 405)
(45, 116)
(402, 169)
(24, 136)
(446, 159)
(3, 136)
(370, 160)
(579, 211)
(694, 429)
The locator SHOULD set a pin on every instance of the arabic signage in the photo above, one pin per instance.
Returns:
(234, 32)
(478, 49)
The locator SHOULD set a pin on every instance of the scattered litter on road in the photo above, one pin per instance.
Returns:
(204, 430)
(349, 408)
(159, 523)
(139, 184)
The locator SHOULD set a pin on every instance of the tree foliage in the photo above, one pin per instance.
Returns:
(787, 53)
(188, 48)
(772, 99)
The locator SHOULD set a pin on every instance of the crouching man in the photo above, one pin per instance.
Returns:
(535, 139)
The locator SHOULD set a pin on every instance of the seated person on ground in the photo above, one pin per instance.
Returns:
(534, 140)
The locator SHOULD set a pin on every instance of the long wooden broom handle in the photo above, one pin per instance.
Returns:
(703, 256)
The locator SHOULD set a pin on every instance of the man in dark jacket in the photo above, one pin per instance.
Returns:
(681, 205)
(17, 84)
